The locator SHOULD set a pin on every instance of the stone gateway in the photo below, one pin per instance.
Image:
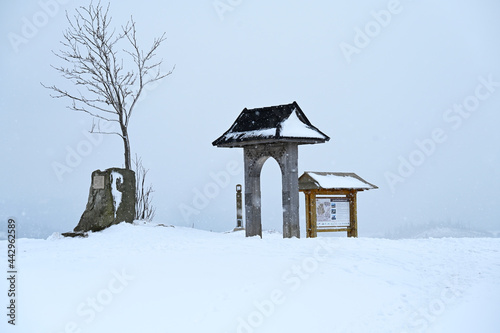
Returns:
(275, 132)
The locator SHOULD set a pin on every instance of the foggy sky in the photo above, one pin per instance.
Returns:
(408, 91)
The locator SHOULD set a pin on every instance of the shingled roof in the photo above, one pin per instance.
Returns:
(281, 123)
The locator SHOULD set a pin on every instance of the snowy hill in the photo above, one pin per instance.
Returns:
(437, 230)
(145, 278)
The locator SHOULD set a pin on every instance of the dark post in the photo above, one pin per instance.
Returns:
(239, 209)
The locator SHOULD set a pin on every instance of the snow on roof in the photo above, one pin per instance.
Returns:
(333, 180)
(275, 123)
(263, 133)
(293, 127)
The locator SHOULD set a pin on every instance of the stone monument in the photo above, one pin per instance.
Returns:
(111, 200)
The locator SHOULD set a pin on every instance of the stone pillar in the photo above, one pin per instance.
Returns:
(287, 157)
(111, 200)
(290, 184)
(253, 167)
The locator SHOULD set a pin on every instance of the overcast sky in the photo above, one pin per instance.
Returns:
(408, 91)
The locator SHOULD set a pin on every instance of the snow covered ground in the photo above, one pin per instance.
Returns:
(146, 278)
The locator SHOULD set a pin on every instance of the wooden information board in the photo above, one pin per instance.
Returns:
(331, 201)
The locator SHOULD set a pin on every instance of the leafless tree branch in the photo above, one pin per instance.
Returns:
(93, 55)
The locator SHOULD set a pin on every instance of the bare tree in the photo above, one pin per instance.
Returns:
(94, 58)
(144, 209)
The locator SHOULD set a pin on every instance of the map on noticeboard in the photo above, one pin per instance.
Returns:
(332, 212)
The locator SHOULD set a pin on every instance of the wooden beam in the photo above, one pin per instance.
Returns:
(334, 230)
(328, 192)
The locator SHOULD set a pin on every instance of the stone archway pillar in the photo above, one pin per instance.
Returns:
(286, 154)
(290, 180)
(253, 225)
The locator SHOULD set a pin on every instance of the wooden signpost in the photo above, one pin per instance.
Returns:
(331, 203)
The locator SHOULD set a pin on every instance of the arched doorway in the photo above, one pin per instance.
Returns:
(286, 154)
(271, 196)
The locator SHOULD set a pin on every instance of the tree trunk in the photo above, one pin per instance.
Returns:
(126, 145)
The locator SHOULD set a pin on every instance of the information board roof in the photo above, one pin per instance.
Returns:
(333, 181)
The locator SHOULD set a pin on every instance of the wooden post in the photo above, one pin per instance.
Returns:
(311, 219)
(307, 195)
(314, 218)
(353, 232)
